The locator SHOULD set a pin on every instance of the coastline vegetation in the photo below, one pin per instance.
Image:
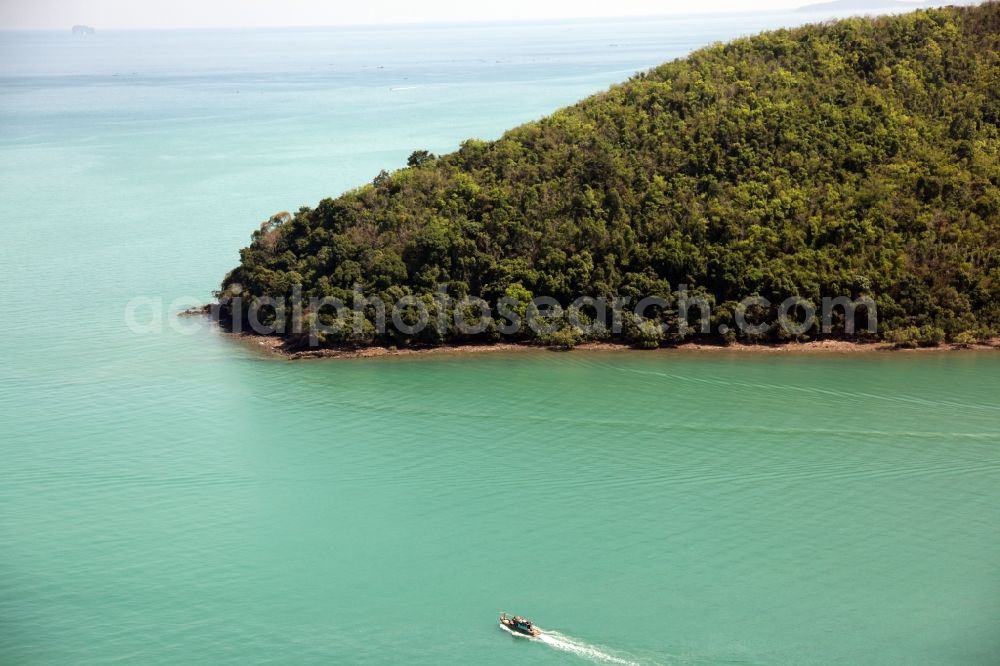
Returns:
(859, 158)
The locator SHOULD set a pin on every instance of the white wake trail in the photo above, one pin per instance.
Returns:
(581, 649)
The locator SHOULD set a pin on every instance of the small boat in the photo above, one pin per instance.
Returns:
(519, 626)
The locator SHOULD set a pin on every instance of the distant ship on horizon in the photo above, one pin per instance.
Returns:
(83, 30)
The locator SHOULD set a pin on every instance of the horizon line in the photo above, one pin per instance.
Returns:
(802, 9)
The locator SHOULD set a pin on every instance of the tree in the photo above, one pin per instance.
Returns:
(419, 158)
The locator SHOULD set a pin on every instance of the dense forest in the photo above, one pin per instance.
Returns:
(857, 158)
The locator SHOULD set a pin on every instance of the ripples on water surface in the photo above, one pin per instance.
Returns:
(680, 509)
(181, 499)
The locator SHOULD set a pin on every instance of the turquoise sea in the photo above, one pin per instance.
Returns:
(179, 498)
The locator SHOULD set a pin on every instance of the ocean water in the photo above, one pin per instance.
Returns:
(179, 498)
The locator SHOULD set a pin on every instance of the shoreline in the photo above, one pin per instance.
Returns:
(275, 346)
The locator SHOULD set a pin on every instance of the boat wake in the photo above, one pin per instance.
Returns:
(592, 652)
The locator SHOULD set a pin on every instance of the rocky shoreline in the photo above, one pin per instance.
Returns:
(276, 345)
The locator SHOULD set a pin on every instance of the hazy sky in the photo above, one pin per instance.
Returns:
(61, 14)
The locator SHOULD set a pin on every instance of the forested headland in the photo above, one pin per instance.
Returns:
(859, 158)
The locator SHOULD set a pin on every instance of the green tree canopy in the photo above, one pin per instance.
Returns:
(846, 159)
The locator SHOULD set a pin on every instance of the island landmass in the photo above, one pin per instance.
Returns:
(858, 160)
